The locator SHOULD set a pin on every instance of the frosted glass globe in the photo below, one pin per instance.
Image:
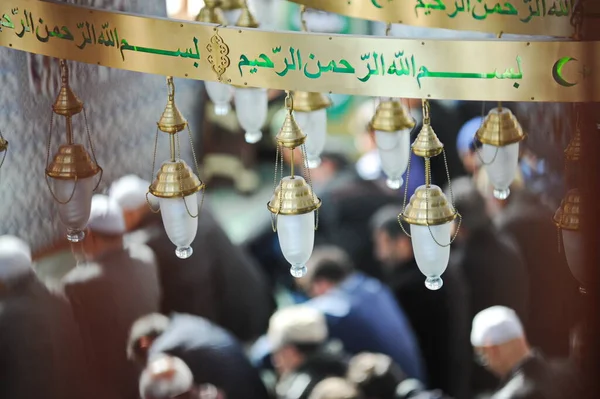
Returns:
(232, 16)
(297, 238)
(314, 125)
(221, 95)
(432, 258)
(503, 169)
(394, 153)
(75, 214)
(573, 244)
(251, 106)
(181, 228)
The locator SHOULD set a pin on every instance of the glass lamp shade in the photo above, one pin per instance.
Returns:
(251, 106)
(314, 124)
(432, 258)
(221, 95)
(394, 152)
(297, 238)
(232, 16)
(181, 228)
(573, 244)
(504, 167)
(75, 213)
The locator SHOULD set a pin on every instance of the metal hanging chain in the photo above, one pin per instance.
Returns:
(274, 217)
(179, 170)
(388, 29)
(152, 175)
(48, 160)
(87, 129)
(405, 195)
(477, 150)
(303, 25)
(306, 171)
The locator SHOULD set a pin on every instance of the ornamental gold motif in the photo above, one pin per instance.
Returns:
(218, 51)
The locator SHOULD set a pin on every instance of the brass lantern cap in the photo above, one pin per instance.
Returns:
(567, 215)
(246, 19)
(72, 161)
(171, 121)
(573, 151)
(293, 196)
(427, 144)
(305, 101)
(440, 210)
(67, 103)
(211, 15)
(229, 5)
(500, 128)
(391, 116)
(175, 179)
(290, 135)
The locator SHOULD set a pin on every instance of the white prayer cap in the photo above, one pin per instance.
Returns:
(106, 216)
(165, 377)
(297, 325)
(130, 192)
(15, 258)
(495, 326)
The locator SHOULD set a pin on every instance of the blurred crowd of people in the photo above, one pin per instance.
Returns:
(132, 320)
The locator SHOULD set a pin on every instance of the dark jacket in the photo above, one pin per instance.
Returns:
(107, 297)
(441, 324)
(495, 275)
(537, 378)
(41, 351)
(213, 356)
(219, 281)
(317, 367)
(552, 289)
(361, 312)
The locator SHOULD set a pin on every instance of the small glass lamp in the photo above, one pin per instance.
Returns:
(392, 124)
(310, 112)
(500, 135)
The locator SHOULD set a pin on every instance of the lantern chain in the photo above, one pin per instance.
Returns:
(274, 217)
(477, 151)
(87, 129)
(405, 195)
(308, 179)
(197, 168)
(179, 169)
(48, 159)
(152, 175)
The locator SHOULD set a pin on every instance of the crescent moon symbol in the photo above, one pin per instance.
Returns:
(557, 71)
(376, 4)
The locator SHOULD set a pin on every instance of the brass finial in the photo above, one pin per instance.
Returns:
(500, 128)
(290, 136)
(171, 121)
(427, 144)
(246, 19)
(391, 116)
(66, 103)
(428, 206)
(293, 196)
(567, 216)
(211, 13)
(305, 101)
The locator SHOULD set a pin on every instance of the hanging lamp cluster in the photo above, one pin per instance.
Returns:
(175, 185)
(500, 134)
(392, 125)
(310, 111)
(293, 205)
(567, 217)
(429, 212)
(70, 176)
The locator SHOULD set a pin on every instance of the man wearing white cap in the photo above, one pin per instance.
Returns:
(41, 354)
(116, 285)
(219, 282)
(500, 344)
(297, 335)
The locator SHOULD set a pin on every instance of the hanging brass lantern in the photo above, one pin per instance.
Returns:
(211, 13)
(294, 204)
(310, 111)
(429, 212)
(568, 220)
(70, 174)
(500, 135)
(573, 151)
(392, 124)
(176, 186)
(229, 5)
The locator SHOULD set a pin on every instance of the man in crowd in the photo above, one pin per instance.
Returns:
(41, 352)
(500, 344)
(361, 312)
(212, 354)
(108, 293)
(297, 336)
(219, 282)
(439, 318)
(167, 377)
